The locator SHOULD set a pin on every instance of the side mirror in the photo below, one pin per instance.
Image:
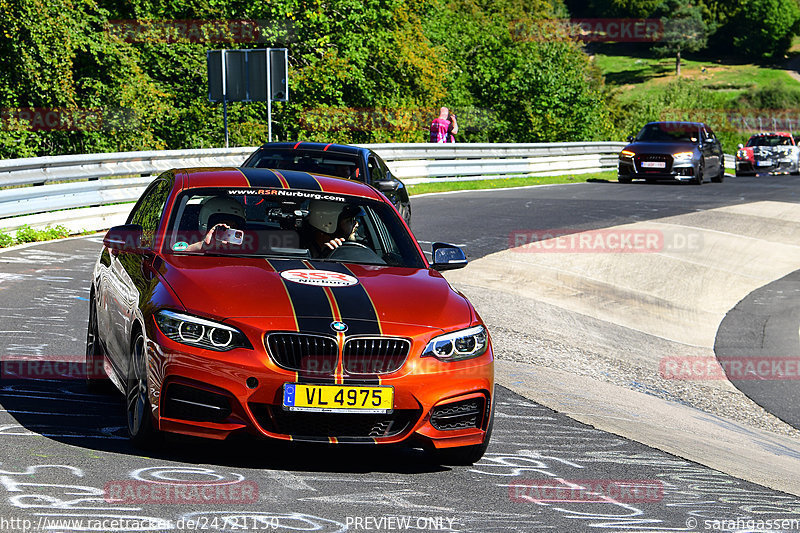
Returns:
(630, 138)
(447, 257)
(126, 238)
(740, 146)
(389, 184)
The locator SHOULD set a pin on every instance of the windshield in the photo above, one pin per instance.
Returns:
(668, 132)
(289, 224)
(769, 140)
(313, 162)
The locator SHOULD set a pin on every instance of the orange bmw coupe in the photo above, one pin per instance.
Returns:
(291, 306)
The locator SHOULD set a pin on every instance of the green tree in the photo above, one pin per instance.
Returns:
(685, 30)
(763, 29)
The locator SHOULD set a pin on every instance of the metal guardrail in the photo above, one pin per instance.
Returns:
(78, 191)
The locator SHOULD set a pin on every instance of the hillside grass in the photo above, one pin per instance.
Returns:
(640, 77)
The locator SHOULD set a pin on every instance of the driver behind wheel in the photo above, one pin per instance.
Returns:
(330, 225)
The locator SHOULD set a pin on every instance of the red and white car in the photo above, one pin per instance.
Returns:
(765, 153)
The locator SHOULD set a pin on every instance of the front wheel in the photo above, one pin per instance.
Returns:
(141, 430)
(95, 375)
(698, 180)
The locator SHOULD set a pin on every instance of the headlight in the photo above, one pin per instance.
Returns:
(626, 154)
(196, 331)
(683, 156)
(459, 345)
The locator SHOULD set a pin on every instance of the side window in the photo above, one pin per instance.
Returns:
(374, 168)
(149, 209)
(382, 166)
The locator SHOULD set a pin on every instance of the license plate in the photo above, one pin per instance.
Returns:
(337, 398)
(764, 163)
(653, 164)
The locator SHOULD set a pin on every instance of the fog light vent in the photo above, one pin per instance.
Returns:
(458, 415)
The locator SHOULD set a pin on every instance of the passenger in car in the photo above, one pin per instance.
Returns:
(217, 215)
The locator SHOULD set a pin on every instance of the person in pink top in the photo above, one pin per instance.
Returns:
(444, 128)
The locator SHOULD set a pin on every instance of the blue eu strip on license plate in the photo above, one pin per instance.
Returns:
(288, 395)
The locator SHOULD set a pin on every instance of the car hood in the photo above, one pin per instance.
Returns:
(661, 147)
(255, 291)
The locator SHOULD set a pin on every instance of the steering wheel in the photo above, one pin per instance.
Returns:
(354, 251)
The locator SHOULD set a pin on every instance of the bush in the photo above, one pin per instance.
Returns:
(5, 240)
(26, 233)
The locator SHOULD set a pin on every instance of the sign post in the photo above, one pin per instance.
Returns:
(250, 75)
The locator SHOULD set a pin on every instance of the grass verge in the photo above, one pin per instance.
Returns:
(508, 183)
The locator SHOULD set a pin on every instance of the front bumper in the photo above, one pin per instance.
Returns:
(214, 394)
(673, 171)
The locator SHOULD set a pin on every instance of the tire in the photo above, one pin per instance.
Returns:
(698, 180)
(138, 413)
(623, 179)
(465, 455)
(720, 176)
(94, 353)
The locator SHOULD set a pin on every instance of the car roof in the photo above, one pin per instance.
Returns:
(316, 147)
(680, 122)
(771, 134)
(274, 179)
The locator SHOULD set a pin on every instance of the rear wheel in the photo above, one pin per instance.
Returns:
(623, 179)
(721, 176)
(141, 430)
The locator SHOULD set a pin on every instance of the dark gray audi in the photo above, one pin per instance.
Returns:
(674, 151)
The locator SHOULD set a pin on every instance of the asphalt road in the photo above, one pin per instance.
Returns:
(63, 453)
(763, 329)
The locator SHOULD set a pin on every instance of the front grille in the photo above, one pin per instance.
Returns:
(374, 355)
(660, 158)
(458, 415)
(190, 403)
(309, 354)
(339, 425)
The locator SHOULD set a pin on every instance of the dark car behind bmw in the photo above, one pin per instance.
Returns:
(675, 151)
(341, 160)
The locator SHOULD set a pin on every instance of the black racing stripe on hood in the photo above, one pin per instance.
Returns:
(302, 180)
(355, 306)
(261, 177)
(312, 309)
